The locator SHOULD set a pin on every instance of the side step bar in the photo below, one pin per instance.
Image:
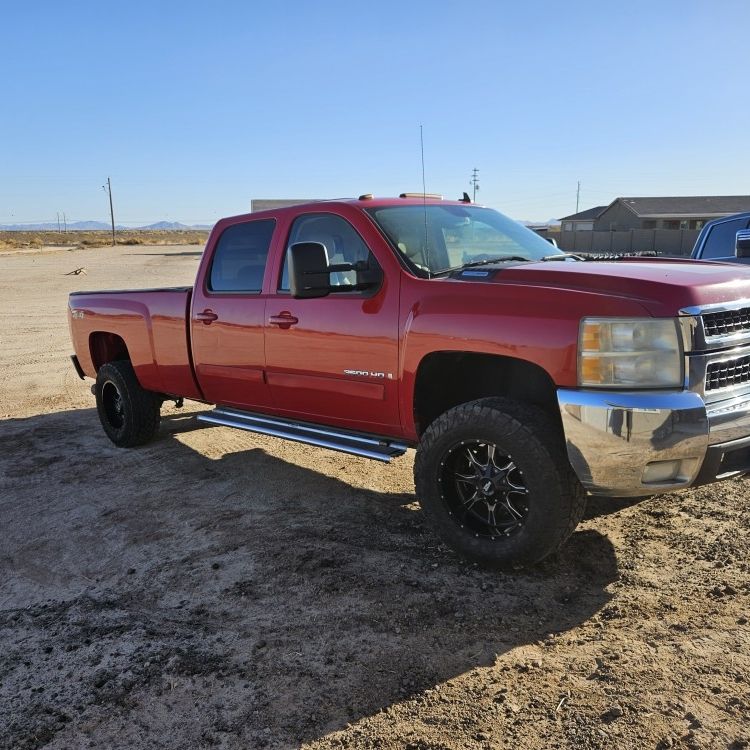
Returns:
(380, 449)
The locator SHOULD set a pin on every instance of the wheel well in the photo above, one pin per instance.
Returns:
(447, 379)
(106, 347)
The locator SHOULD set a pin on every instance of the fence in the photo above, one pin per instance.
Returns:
(662, 241)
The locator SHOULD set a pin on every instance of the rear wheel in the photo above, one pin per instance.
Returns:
(493, 478)
(129, 414)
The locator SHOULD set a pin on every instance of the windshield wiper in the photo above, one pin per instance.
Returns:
(484, 262)
(562, 256)
(487, 261)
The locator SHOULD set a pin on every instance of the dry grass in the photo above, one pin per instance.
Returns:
(37, 240)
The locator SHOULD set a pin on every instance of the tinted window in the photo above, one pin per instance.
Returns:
(721, 239)
(341, 240)
(240, 257)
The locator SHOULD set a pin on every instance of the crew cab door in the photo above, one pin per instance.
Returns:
(228, 316)
(335, 359)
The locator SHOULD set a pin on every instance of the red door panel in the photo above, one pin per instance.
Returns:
(229, 315)
(335, 359)
(339, 363)
(228, 352)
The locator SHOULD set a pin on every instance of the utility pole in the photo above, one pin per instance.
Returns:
(578, 195)
(108, 189)
(474, 182)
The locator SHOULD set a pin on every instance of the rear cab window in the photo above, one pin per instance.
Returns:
(239, 260)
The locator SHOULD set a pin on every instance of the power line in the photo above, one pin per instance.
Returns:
(474, 181)
(108, 189)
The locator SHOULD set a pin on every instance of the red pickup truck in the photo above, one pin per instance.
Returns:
(524, 377)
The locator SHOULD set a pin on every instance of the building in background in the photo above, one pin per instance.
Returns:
(583, 221)
(266, 204)
(675, 212)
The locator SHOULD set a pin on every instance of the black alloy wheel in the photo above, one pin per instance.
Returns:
(494, 481)
(484, 490)
(128, 412)
(113, 405)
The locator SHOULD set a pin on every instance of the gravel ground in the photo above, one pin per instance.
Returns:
(216, 589)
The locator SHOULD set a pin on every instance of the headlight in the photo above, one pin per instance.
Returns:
(630, 353)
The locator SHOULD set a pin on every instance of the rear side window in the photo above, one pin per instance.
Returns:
(721, 239)
(240, 257)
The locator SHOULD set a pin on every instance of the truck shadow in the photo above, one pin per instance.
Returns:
(606, 506)
(261, 600)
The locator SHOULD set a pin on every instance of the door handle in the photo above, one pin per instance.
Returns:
(207, 316)
(283, 320)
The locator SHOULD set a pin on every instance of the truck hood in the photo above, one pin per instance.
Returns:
(663, 287)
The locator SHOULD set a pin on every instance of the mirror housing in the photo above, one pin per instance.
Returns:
(742, 244)
(308, 270)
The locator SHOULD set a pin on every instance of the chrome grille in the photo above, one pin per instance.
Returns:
(727, 374)
(726, 322)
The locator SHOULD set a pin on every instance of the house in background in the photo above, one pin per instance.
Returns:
(264, 204)
(680, 212)
(582, 221)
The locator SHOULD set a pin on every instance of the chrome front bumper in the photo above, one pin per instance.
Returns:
(637, 443)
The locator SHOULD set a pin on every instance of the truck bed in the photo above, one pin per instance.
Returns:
(149, 326)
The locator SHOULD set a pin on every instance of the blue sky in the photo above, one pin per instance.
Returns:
(194, 108)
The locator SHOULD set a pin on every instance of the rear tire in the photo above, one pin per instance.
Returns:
(494, 480)
(129, 414)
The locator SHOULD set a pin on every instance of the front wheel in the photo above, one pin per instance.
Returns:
(129, 414)
(494, 480)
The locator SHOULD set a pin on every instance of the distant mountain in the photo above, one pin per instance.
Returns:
(83, 226)
(50, 226)
(88, 226)
(166, 225)
(548, 223)
(173, 226)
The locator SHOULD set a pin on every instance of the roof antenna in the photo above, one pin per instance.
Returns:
(424, 203)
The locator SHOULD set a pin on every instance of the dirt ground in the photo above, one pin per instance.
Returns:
(217, 589)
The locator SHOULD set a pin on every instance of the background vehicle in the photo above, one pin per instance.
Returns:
(718, 240)
(524, 376)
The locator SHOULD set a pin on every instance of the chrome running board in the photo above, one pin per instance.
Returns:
(380, 449)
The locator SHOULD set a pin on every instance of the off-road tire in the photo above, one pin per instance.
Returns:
(555, 501)
(129, 414)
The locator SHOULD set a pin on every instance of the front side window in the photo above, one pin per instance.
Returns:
(439, 238)
(240, 257)
(342, 242)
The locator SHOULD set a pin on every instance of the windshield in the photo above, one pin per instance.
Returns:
(441, 238)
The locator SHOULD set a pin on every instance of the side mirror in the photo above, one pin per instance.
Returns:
(308, 270)
(369, 275)
(742, 244)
